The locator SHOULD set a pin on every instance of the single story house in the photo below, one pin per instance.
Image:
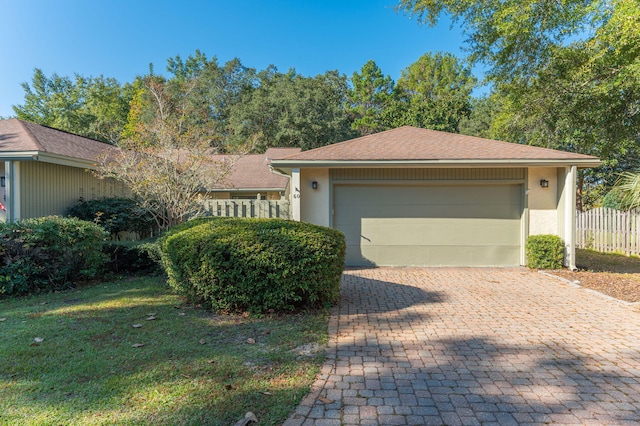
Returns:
(418, 197)
(250, 177)
(44, 171)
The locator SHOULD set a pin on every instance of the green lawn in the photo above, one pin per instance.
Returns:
(594, 261)
(193, 368)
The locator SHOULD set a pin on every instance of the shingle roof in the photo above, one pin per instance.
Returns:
(411, 143)
(252, 171)
(23, 136)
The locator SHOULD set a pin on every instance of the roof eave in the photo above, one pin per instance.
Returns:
(247, 189)
(582, 163)
(19, 155)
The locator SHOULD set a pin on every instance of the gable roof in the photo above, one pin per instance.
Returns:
(414, 146)
(21, 139)
(252, 173)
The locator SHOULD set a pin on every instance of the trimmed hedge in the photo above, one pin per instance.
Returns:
(49, 253)
(255, 265)
(545, 252)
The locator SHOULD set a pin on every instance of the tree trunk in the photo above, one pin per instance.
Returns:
(579, 188)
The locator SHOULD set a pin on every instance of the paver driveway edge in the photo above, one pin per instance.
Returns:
(474, 346)
(576, 284)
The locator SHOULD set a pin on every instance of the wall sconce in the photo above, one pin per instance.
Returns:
(314, 185)
(544, 183)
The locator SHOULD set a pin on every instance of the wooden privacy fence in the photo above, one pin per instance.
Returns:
(609, 230)
(248, 208)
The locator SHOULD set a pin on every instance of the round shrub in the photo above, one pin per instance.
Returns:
(49, 253)
(545, 252)
(255, 265)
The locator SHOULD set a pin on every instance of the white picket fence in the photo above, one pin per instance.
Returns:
(609, 230)
(248, 208)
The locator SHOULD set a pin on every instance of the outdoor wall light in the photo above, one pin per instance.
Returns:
(314, 185)
(544, 183)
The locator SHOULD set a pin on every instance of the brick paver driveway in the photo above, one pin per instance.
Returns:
(475, 346)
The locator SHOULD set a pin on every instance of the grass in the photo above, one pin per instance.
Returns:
(195, 368)
(594, 261)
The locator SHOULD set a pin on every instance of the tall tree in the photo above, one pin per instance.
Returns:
(568, 72)
(95, 107)
(371, 93)
(164, 159)
(289, 110)
(480, 121)
(434, 92)
(514, 37)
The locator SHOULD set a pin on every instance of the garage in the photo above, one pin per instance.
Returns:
(420, 197)
(430, 225)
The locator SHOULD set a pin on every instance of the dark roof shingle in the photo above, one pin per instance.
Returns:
(411, 143)
(22, 136)
(252, 171)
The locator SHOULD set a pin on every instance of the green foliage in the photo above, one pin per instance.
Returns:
(115, 215)
(626, 193)
(94, 107)
(615, 199)
(567, 74)
(49, 253)
(482, 116)
(256, 265)
(133, 256)
(291, 110)
(372, 93)
(515, 37)
(545, 252)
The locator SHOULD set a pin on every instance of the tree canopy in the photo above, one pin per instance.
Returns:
(566, 75)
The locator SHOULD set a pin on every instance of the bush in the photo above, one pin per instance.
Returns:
(133, 256)
(255, 265)
(49, 253)
(545, 252)
(115, 215)
(615, 199)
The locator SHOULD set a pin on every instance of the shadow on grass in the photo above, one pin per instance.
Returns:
(192, 368)
(594, 261)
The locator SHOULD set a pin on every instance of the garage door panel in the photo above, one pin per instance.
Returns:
(418, 232)
(449, 225)
(436, 255)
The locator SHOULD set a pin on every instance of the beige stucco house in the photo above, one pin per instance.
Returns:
(44, 171)
(420, 197)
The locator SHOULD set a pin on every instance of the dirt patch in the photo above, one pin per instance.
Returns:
(615, 275)
(620, 286)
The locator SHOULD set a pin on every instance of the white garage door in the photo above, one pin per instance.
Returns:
(421, 225)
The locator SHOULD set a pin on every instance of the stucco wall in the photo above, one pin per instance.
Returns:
(315, 204)
(543, 202)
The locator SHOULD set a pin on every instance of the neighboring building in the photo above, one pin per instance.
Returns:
(251, 178)
(420, 197)
(44, 171)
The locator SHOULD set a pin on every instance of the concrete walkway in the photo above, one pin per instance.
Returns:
(475, 347)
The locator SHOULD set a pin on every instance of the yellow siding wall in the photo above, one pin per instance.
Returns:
(48, 189)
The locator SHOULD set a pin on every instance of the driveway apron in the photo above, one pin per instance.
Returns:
(475, 346)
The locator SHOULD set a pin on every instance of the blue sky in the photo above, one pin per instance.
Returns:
(120, 38)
